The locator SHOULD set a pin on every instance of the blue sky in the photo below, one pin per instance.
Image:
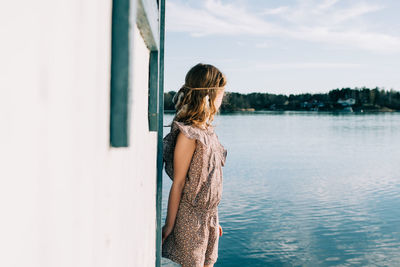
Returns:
(286, 46)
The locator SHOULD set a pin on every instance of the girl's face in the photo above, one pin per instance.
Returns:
(218, 99)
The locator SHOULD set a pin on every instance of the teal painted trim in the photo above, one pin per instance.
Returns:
(119, 95)
(160, 133)
(153, 90)
(147, 21)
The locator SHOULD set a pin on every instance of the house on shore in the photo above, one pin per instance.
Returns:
(81, 112)
(346, 102)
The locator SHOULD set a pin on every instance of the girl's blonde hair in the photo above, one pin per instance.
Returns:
(194, 102)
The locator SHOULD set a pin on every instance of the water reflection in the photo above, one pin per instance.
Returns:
(308, 189)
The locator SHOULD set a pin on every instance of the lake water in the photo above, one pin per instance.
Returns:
(308, 189)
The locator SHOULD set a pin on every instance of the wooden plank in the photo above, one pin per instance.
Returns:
(120, 69)
(153, 90)
(160, 132)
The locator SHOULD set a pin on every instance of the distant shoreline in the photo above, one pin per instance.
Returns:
(337, 100)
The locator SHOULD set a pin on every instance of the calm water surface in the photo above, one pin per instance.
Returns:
(308, 189)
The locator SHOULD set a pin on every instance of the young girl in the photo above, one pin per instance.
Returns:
(193, 159)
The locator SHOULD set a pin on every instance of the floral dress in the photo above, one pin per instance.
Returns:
(194, 239)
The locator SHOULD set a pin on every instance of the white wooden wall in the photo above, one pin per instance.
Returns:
(66, 197)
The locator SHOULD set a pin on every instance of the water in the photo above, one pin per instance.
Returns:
(308, 189)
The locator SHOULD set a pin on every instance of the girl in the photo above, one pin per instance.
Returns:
(193, 159)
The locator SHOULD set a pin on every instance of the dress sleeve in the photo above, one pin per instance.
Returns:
(169, 143)
(189, 131)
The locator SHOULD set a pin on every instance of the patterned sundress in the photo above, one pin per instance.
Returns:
(194, 239)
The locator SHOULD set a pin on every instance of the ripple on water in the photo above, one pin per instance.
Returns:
(310, 190)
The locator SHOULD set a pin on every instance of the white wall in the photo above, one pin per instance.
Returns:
(66, 198)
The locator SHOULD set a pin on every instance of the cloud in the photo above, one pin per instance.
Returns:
(327, 13)
(327, 4)
(295, 66)
(215, 18)
(275, 11)
(263, 45)
(307, 65)
(324, 22)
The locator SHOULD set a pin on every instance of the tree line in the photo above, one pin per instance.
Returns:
(360, 99)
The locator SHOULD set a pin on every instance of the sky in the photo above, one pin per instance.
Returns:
(285, 46)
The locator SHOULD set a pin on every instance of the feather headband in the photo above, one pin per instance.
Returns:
(178, 97)
(204, 88)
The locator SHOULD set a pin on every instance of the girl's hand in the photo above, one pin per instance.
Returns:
(220, 230)
(166, 231)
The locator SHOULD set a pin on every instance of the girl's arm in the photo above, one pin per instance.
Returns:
(183, 153)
